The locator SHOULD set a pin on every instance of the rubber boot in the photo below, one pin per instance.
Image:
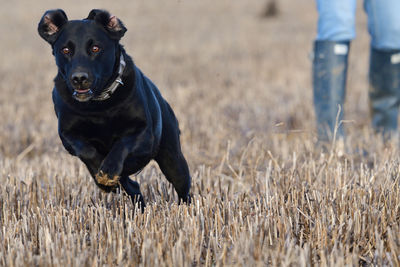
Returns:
(329, 82)
(384, 91)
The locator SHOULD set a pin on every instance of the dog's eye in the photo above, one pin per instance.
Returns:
(66, 50)
(95, 49)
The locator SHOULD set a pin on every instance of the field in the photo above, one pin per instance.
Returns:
(263, 192)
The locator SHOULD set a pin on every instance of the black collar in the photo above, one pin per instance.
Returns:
(117, 82)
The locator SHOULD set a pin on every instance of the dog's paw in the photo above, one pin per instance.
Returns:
(104, 179)
(111, 167)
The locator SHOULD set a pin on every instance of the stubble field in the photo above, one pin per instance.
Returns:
(263, 193)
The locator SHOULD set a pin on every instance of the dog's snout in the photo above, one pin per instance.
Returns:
(80, 79)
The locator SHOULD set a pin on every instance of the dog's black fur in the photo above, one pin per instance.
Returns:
(118, 136)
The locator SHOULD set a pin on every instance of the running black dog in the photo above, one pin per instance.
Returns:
(110, 115)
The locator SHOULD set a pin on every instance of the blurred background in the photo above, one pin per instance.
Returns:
(231, 72)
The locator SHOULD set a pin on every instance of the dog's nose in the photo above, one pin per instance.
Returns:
(80, 79)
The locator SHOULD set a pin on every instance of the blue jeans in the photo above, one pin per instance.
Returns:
(336, 21)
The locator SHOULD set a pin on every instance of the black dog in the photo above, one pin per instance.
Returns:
(110, 115)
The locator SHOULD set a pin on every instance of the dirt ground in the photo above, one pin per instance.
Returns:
(240, 86)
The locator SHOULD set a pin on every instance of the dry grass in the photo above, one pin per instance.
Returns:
(263, 193)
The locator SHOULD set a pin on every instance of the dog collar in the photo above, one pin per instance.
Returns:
(117, 82)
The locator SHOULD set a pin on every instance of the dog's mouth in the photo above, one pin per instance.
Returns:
(82, 95)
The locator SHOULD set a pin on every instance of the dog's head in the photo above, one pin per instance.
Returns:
(85, 50)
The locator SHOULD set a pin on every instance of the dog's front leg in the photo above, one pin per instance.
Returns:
(111, 168)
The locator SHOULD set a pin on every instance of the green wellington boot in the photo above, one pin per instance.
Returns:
(329, 82)
(384, 91)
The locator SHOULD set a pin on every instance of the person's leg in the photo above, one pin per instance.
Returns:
(384, 23)
(336, 20)
(384, 71)
(336, 28)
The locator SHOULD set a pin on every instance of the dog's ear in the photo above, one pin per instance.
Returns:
(51, 23)
(112, 24)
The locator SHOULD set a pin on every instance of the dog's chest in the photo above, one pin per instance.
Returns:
(103, 131)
